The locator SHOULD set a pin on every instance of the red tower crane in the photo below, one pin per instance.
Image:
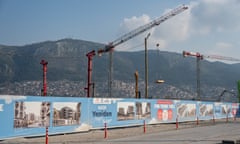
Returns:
(134, 33)
(90, 56)
(201, 57)
(44, 89)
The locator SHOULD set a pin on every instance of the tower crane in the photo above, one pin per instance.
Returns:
(44, 89)
(142, 29)
(201, 57)
(90, 56)
(109, 47)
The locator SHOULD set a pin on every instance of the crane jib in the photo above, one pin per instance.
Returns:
(142, 29)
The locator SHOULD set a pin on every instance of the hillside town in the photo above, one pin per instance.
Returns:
(120, 89)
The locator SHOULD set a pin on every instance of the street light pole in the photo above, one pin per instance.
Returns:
(146, 66)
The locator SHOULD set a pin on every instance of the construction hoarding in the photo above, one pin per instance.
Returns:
(23, 116)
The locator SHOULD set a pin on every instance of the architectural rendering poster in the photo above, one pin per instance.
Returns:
(125, 110)
(31, 114)
(143, 110)
(66, 113)
(185, 110)
(205, 110)
(225, 109)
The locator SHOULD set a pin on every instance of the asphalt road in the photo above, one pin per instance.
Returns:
(196, 135)
(187, 133)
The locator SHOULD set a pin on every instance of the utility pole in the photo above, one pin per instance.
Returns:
(146, 66)
(110, 73)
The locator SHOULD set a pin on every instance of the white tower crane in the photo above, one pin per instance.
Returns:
(109, 47)
(201, 57)
(134, 33)
(142, 29)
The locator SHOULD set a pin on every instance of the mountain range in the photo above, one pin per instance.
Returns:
(67, 61)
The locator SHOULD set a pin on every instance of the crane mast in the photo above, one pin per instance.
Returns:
(198, 58)
(201, 57)
(142, 29)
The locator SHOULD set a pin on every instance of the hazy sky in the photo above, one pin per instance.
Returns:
(208, 26)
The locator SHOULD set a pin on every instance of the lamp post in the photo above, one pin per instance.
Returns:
(146, 66)
(159, 81)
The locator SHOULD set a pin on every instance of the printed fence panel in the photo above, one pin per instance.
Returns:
(24, 116)
(30, 115)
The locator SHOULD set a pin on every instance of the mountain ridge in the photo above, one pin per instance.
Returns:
(67, 61)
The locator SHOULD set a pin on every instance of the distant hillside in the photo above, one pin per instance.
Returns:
(67, 61)
(175, 69)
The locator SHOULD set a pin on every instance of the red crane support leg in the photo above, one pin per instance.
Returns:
(90, 56)
(44, 90)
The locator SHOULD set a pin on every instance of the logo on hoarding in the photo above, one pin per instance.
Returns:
(102, 107)
(101, 114)
(166, 102)
(101, 101)
(1, 107)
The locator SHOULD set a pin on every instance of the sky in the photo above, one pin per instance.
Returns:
(210, 27)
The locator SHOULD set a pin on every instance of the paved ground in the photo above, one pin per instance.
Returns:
(195, 135)
(187, 133)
